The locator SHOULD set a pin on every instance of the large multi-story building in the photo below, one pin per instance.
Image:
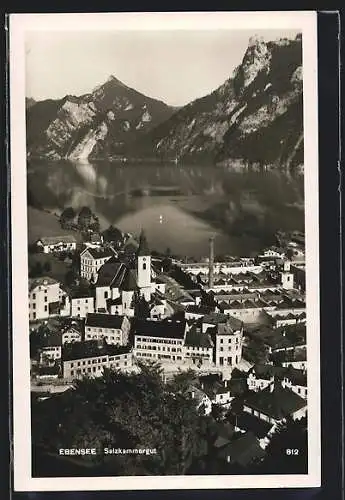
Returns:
(90, 358)
(45, 298)
(113, 328)
(159, 340)
(81, 305)
(198, 346)
(228, 342)
(91, 260)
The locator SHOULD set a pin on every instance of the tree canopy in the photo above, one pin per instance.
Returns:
(134, 410)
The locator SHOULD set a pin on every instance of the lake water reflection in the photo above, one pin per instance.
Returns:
(180, 207)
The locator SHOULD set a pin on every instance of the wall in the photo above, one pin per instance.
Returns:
(40, 298)
(82, 306)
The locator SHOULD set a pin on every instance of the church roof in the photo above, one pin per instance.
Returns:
(143, 249)
(129, 282)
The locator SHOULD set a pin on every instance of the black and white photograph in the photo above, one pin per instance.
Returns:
(165, 250)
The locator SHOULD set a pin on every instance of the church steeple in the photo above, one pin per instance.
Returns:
(144, 267)
(143, 250)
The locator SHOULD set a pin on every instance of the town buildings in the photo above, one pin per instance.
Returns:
(113, 328)
(159, 340)
(275, 403)
(92, 259)
(47, 298)
(50, 244)
(133, 312)
(90, 359)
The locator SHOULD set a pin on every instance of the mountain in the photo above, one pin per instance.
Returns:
(99, 124)
(254, 118)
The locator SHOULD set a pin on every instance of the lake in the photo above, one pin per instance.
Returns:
(179, 207)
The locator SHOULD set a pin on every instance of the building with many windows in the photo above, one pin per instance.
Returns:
(51, 244)
(159, 340)
(113, 328)
(91, 260)
(45, 298)
(90, 358)
(228, 342)
(81, 305)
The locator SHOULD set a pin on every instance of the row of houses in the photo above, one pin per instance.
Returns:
(211, 342)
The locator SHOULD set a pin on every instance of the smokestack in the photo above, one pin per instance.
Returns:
(211, 263)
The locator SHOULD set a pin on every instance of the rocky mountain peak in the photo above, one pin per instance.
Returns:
(256, 60)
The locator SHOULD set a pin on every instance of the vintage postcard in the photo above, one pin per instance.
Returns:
(165, 275)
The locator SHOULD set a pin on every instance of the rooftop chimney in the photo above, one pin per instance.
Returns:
(211, 263)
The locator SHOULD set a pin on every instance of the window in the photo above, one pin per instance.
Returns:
(144, 266)
(105, 294)
(72, 372)
(33, 296)
(45, 308)
(45, 299)
(34, 306)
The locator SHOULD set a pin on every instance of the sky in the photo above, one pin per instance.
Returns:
(173, 66)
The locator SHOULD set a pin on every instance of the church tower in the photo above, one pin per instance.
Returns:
(144, 267)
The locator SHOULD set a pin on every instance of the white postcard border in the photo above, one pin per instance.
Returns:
(19, 25)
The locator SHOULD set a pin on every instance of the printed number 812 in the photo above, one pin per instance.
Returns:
(290, 451)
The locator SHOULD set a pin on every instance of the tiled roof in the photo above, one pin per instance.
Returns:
(52, 339)
(266, 372)
(99, 253)
(248, 422)
(44, 281)
(110, 273)
(100, 320)
(231, 326)
(242, 450)
(197, 339)
(129, 281)
(91, 349)
(53, 240)
(296, 377)
(277, 404)
(215, 318)
(194, 309)
(166, 328)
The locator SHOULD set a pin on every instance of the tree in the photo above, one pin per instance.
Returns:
(67, 217)
(141, 307)
(112, 234)
(256, 352)
(134, 410)
(166, 264)
(71, 276)
(84, 218)
(207, 300)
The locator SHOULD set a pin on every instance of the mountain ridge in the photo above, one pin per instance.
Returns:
(254, 118)
(96, 123)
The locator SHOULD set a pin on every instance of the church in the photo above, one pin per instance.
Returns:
(123, 281)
